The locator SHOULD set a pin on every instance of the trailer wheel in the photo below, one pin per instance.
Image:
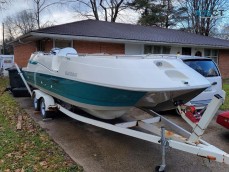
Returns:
(44, 113)
(36, 103)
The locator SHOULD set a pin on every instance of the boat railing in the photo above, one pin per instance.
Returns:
(93, 54)
(71, 54)
(155, 56)
(38, 52)
(139, 56)
(130, 56)
(149, 56)
(125, 56)
(163, 55)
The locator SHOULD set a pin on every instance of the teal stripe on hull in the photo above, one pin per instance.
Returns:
(85, 93)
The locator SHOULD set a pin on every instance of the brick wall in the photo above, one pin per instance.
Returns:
(23, 52)
(224, 63)
(98, 47)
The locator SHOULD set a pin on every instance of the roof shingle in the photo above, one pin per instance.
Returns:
(102, 29)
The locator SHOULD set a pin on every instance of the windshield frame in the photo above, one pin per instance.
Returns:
(202, 60)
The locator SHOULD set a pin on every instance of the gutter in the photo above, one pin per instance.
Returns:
(19, 39)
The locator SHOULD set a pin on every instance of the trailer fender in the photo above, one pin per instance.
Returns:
(49, 101)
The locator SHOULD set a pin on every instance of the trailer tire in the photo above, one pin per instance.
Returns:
(44, 113)
(36, 103)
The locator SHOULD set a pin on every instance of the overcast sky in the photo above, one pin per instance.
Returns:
(57, 15)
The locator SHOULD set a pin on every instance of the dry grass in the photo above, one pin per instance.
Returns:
(28, 149)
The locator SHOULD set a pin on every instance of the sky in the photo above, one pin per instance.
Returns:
(57, 15)
(60, 15)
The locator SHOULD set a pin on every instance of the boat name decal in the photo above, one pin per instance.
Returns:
(33, 62)
(70, 73)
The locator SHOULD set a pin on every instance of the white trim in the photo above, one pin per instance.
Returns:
(53, 43)
(211, 56)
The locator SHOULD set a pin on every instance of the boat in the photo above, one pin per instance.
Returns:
(107, 86)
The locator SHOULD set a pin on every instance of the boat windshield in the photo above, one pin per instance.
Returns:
(205, 67)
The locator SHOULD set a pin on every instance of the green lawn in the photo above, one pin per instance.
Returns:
(28, 149)
(225, 106)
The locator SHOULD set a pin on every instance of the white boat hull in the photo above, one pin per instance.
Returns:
(108, 86)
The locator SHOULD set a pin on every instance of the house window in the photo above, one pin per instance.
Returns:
(186, 51)
(156, 50)
(40, 45)
(211, 53)
(63, 43)
(149, 49)
(166, 50)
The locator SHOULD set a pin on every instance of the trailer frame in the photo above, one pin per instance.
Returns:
(177, 138)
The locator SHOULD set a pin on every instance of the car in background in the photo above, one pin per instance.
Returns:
(208, 68)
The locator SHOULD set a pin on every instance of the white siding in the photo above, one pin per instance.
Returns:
(175, 50)
(132, 49)
(195, 49)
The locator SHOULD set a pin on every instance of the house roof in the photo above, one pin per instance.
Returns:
(94, 29)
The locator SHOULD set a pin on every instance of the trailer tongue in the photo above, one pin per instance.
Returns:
(183, 140)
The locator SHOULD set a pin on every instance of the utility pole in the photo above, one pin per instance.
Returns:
(3, 40)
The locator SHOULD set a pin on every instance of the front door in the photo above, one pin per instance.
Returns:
(186, 51)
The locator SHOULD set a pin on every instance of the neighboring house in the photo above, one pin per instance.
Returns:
(92, 36)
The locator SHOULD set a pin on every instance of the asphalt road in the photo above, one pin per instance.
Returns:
(99, 150)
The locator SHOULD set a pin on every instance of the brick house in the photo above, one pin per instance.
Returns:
(91, 36)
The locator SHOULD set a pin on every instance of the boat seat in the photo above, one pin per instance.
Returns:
(71, 55)
(67, 52)
(56, 60)
(61, 53)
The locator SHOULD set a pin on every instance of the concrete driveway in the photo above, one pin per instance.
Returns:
(99, 150)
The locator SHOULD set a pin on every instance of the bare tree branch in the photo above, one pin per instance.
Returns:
(200, 17)
(109, 9)
(19, 24)
(4, 4)
(41, 5)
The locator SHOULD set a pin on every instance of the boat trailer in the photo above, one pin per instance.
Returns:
(156, 129)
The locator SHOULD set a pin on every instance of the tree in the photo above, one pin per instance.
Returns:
(4, 3)
(222, 32)
(156, 12)
(19, 24)
(107, 10)
(151, 13)
(40, 6)
(199, 16)
(172, 15)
